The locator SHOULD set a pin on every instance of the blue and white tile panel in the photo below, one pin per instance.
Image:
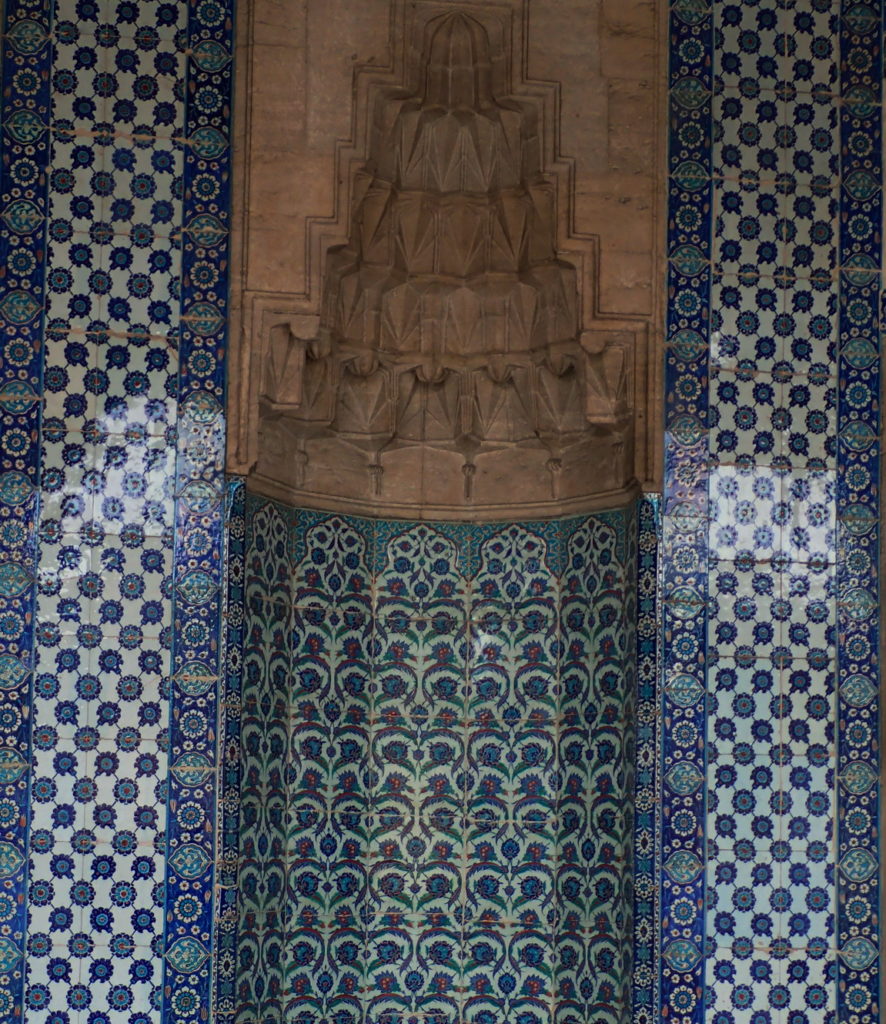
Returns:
(789, 291)
(103, 615)
(105, 160)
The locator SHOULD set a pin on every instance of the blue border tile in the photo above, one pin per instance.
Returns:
(683, 599)
(197, 767)
(228, 842)
(858, 539)
(27, 58)
(647, 822)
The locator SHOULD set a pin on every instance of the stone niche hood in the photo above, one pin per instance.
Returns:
(446, 358)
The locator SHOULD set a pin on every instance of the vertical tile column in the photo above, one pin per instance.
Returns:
(230, 741)
(596, 738)
(195, 768)
(264, 701)
(647, 822)
(772, 446)
(331, 809)
(785, 524)
(858, 934)
(103, 615)
(25, 115)
(105, 158)
(684, 553)
(520, 866)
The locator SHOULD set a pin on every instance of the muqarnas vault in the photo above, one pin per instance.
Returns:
(445, 366)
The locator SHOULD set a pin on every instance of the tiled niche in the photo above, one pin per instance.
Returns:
(439, 742)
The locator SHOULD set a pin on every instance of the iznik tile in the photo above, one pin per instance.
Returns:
(789, 428)
(436, 760)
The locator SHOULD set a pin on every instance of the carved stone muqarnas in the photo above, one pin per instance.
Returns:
(446, 372)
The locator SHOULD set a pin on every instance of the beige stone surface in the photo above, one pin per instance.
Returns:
(446, 300)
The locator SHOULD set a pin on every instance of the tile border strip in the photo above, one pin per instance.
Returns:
(685, 507)
(646, 816)
(858, 511)
(192, 863)
(25, 114)
(228, 829)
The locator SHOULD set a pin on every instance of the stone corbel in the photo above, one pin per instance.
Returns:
(608, 367)
(283, 378)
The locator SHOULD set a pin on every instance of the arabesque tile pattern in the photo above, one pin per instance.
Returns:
(437, 801)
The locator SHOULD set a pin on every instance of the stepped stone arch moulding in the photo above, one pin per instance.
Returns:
(469, 330)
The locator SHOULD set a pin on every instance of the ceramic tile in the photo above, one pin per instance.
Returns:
(749, 43)
(450, 791)
(782, 228)
(746, 134)
(112, 202)
(383, 622)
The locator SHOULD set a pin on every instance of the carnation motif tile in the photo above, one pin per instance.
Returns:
(456, 806)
